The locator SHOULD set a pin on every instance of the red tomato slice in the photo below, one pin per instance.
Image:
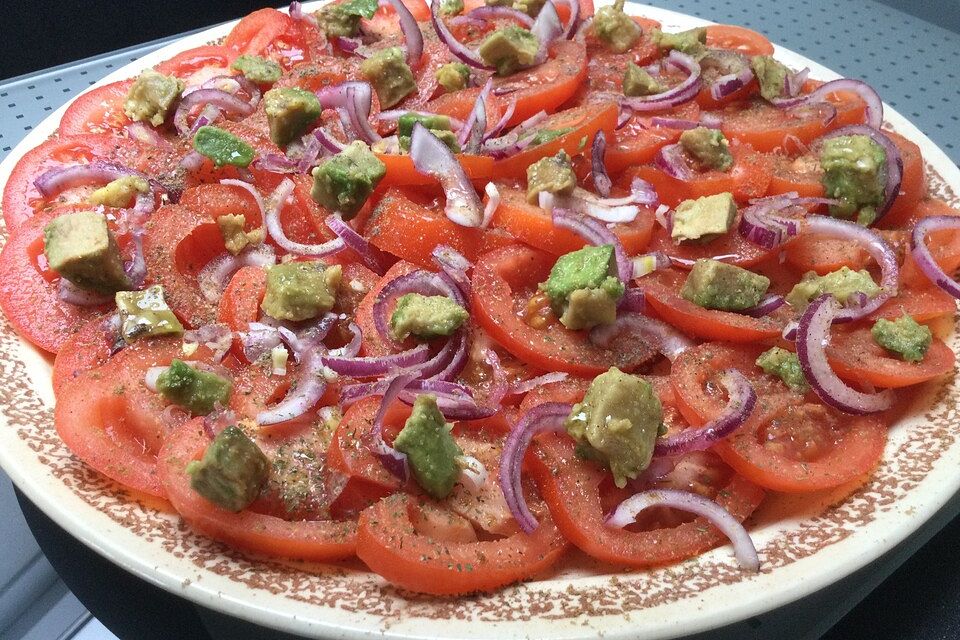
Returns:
(638, 141)
(193, 66)
(87, 349)
(99, 110)
(728, 36)
(857, 357)
(274, 35)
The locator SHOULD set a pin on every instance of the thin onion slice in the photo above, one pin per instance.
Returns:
(213, 277)
(667, 340)
(377, 365)
(601, 180)
(230, 104)
(767, 305)
(649, 262)
(353, 240)
(458, 49)
(547, 28)
(394, 461)
(865, 92)
(303, 395)
(72, 294)
(353, 101)
(526, 386)
(487, 13)
(675, 96)
(271, 220)
(925, 260)
(411, 33)
(473, 130)
(432, 157)
(59, 179)
(493, 203)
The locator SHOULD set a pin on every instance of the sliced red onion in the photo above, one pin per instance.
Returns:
(216, 337)
(596, 233)
(649, 262)
(353, 45)
(394, 461)
(633, 301)
(471, 133)
(249, 188)
(353, 240)
(813, 334)
(925, 260)
(59, 179)
(432, 157)
(215, 275)
(271, 219)
(136, 266)
(275, 163)
(378, 365)
(473, 475)
(818, 95)
(743, 547)
(142, 132)
(891, 188)
(570, 29)
(611, 210)
(770, 303)
(297, 13)
(208, 115)
(450, 360)
(624, 113)
(458, 49)
(453, 391)
(258, 340)
(411, 33)
(680, 94)
(312, 149)
(487, 13)
(228, 103)
(502, 123)
(728, 84)
(192, 161)
(668, 341)
(547, 27)
(215, 421)
(329, 143)
(513, 142)
(493, 203)
(711, 120)
(760, 224)
(673, 162)
(601, 180)
(674, 123)
(455, 265)
(303, 395)
(72, 294)
(741, 401)
(540, 419)
(419, 281)
(353, 101)
(526, 386)
(793, 82)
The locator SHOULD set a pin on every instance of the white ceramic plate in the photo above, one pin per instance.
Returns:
(805, 544)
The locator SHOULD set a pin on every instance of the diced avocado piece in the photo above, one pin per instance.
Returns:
(290, 111)
(771, 75)
(785, 365)
(615, 29)
(692, 42)
(583, 287)
(451, 7)
(426, 317)
(151, 96)
(232, 471)
(617, 423)
(438, 126)
(222, 147)
(344, 182)
(543, 136)
(257, 69)
(509, 49)
(552, 174)
(430, 447)
(903, 336)
(712, 284)
(704, 218)
(637, 81)
(336, 22)
(854, 172)
(453, 76)
(300, 290)
(197, 391)
(709, 147)
(390, 76)
(145, 313)
(120, 193)
(234, 237)
(842, 283)
(81, 248)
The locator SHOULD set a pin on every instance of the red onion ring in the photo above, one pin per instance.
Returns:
(487, 13)
(675, 96)
(925, 260)
(493, 203)
(352, 100)
(595, 233)
(329, 143)
(770, 303)
(570, 29)
(394, 461)
(276, 163)
(216, 337)
(228, 103)
(668, 341)
(674, 123)
(502, 123)
(862, 89)
(454, 265)
(377, 365)
(672, 161)
(458, 49)
(711, 120)
(72, 294)
(353, 240)
(526, 386)
(419, 281)
(303, 395)
(601, 179)
(411, 33)
(726, 85)
(54, 181)
(547, 27)
(271, 220)
(743, 547)
(472, 132)
(433, 158)
(215, 275)
(813, 333)
(142, 132)
(891, 187)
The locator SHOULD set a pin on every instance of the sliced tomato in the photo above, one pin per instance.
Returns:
(638, 141)
(800, 174)
(812, 252)
(662, 292)
(503, 282)
(87, 349)
(218, 200)
(856, 356)
(373, 344)
(316, 540)
(943, 245)
(735, 38)
(401, 172)
(731, 245)
(924, 302)
(274, 35)
(99, 110)
(196, 65)
(390, 545)
(913, 185)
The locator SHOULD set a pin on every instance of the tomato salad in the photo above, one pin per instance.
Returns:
(454, 289)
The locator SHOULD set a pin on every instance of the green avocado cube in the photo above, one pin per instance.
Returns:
(145, 313)
(390, 76)
(712, 284)
(855, 173)
(786, 366)
(450, 7)
(904, 337)
(615, 29)
(289, 112)
(81, 248)
(841, 284)
(222, 147)
(705, 218)
(257, 69)
(151, 97)
(553, 174)
(771, 75)
(430, 448)
(583, 288)
(509, 49)
(453, 76)
(232, 471)
(637, 81)
(709, 147)
(120, 193)
(337, 21)
(426, 317)
(438, 126)
(301, 290)
(344, 182)
(692, 42)
(197, 391)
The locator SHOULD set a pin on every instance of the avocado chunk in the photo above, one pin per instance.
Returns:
(145, 313)
(637, 81)
(583, 287)
(771, 75)
(344, 182)
(543, 136)
(709, 147)
(232, 471)
(705, 218)
(290, 111)
(222, 147)
(430, 447)
(509, 49)
(120, 193)
(615, 29)
(903, 336)
(842, 283)
(81, 248)
(712, 284)
(234, 237)
(336, 22)
(390, 76)
(451, 7)
(197, 391)
(854, 172)
(553, 174)
(151, 96)
(426, 317)
(257, 69)
(300, 290)
(691, 42)
(617, 423)
(453, 76)
(784, 365)
(438, 126)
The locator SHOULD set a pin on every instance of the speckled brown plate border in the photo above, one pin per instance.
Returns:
(804, 543)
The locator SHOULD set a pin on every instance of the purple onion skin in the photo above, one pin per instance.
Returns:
(925, 260)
